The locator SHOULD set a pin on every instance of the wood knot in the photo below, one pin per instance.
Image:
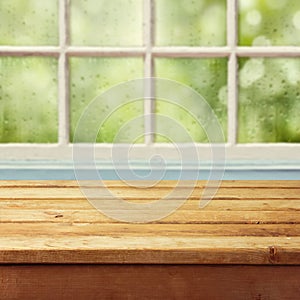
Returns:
(273, 257)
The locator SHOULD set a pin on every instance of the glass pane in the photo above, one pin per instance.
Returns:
(30, 22)
(28, 100)
(269, 22)
(107, 22)
(90, 77)
(269, 100)
(190, 22)
(208, 76)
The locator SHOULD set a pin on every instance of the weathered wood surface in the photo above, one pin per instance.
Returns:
(248, 222)
(135, 282)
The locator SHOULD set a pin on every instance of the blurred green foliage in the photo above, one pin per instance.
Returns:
(28, 22)
(269, 22)
(268, 87)
(107, 22)
(90, 77)
(269, 100)
(28, 100)
(190, 22)
(208, 77)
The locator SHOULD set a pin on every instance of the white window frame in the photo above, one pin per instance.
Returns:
(63, 149)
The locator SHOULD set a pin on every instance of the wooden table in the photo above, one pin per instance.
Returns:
(245, 244)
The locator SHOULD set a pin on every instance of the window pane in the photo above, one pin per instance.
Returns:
(208, 76)
(107, 22)
(28, 100)
(269, 100)
(90, 77)
(269, 22)
(190, 22)
(30, 22)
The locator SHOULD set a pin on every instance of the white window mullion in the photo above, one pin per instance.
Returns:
(148, 72)
(63, 103)
(175, 51)
(29, 50)
(275, 51)
(105, 51)
(232, 72)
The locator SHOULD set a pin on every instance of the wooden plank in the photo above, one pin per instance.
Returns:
(151, 250)
(44, 282)
(150, 194)
(215, 204)
(52, 222)
(170, 230)
(164, 183)
(178, 217)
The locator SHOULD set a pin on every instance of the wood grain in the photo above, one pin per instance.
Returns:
(44, 282)
(151, 250)
(170, 230)
(247, 222)
(148, 194)
(164, 183)
(178, 217)
(215, 205)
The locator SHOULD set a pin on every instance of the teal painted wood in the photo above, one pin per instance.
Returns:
(235, 170)
(68, 174)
